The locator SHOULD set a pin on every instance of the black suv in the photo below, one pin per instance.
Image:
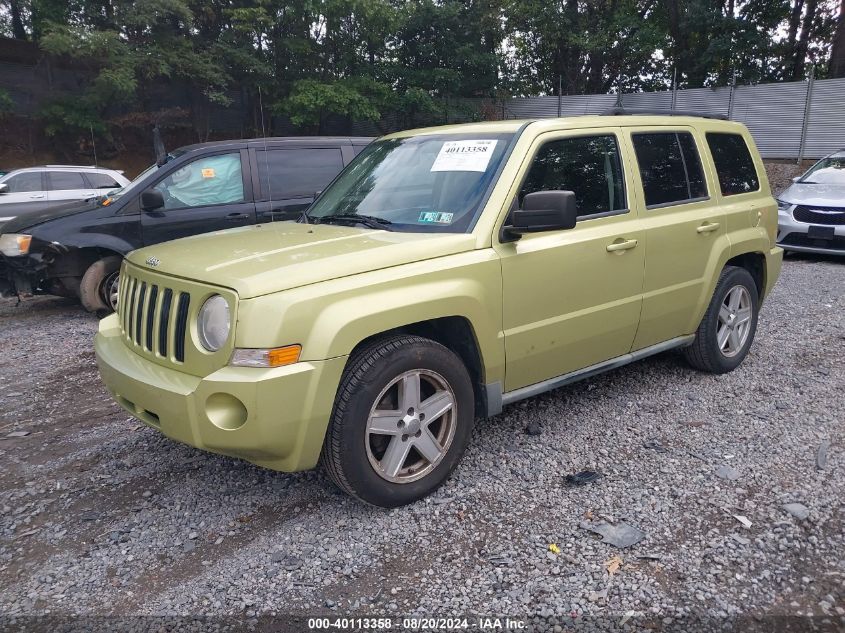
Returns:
(76, 249)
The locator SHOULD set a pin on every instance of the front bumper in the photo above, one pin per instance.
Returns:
(275, 418)
(7, 288)
(19, 276)
(794, 236)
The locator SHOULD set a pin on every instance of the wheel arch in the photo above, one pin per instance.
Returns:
(755, 263)
(72, 263)
(457, 334)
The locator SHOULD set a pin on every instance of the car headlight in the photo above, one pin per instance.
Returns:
(14, 244)
(783, 206)
(214, 323)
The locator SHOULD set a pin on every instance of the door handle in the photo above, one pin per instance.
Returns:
(621, 246)
(707, 227)
(237, 216)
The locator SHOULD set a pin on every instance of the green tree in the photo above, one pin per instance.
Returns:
(584, 47)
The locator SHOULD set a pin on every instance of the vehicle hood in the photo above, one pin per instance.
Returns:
(822, 195)
(28, 214)
(267, 258)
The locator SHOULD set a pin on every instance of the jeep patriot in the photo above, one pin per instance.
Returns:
(445, 273)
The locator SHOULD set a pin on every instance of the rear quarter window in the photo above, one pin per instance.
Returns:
(99, 180)
(733, 162)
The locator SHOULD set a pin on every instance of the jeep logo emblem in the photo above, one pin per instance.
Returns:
(153, 261)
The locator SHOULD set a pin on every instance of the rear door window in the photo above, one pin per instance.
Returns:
(65, 180)
(670, 168)
(733, 163)
(101, 181)
(589, 166)
(25, 182)
(296, 173)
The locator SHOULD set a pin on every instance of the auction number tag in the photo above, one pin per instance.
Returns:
(464, 156)
(208, 172)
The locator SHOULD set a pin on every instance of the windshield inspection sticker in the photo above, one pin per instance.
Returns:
(434, 217)
(464, 156)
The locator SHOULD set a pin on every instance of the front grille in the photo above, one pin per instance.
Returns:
(147, 318)
(837, 242)
(834, 216)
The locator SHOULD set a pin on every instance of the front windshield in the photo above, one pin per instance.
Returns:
(828, 171)
(428, 183)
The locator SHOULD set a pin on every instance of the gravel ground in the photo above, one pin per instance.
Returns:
(781, 173)
(103, 516)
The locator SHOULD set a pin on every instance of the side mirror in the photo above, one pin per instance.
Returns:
(545, 211)
(796, 179)
(4, 188)
(151, 199)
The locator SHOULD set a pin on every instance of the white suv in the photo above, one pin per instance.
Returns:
(52, 183)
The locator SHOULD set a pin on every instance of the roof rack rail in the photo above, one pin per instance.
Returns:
(618, 111)
(74, 166)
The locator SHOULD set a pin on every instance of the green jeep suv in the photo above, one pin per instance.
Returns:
(444, 274)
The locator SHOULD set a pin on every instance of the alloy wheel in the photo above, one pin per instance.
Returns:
(734, 322)
(109, 290)
(411, 426)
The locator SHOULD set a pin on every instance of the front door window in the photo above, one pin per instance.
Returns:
(208, 181)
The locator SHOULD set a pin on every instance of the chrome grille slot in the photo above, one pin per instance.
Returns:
(181, 325)
(139, 312)
(127, 327)
(151, 314)
(164, 325)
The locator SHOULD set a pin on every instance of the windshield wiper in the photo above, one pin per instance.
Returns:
(369, 221)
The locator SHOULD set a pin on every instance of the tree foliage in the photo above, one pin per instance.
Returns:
(313, 60)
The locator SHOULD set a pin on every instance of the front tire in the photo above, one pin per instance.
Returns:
(402, 418)
(98, 287)
(727, 330)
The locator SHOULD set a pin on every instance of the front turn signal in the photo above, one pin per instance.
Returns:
(275, 357)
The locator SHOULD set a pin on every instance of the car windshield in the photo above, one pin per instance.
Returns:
(116, 193)
(428, 183)
(828, 171)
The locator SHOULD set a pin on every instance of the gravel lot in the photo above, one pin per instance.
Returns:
(101, 515)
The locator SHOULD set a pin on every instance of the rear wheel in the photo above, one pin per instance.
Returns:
(99, 284)
(402, 419)
(727, 330)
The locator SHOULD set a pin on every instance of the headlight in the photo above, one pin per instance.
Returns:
(14, 244)
(214, 323)
(783, 206)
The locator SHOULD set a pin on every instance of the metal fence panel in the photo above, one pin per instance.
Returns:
(826, 123)
(774, 113)
(653, 100)
(531, 108)
(577, 105)
(709, 100)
